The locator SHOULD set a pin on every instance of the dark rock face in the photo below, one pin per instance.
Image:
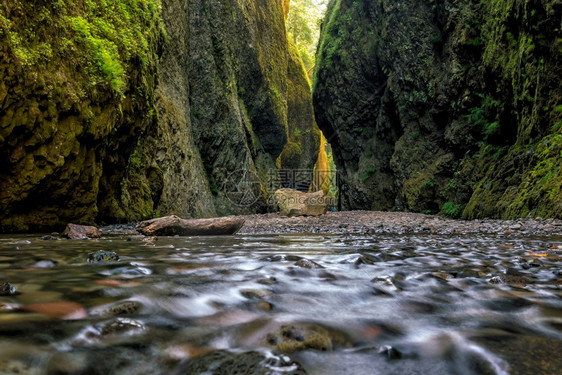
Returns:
(209, 91)
(444, 106)
(68, 113)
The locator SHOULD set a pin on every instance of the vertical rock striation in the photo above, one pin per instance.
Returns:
(120, 111)
(444, 106)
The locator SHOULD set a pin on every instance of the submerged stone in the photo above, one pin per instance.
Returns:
(7, 289)
(123, 308)
(60, 310)
(121, 326)
(221, 362)
(293, 338)
(102, 256)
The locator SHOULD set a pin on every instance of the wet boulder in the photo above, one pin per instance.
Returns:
(58, 310)
(124, 308)
(295, 203)
(80, 232)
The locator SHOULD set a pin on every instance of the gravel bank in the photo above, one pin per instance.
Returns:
(372, 222)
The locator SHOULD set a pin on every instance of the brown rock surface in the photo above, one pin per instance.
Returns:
(295, 203)
(79, 232)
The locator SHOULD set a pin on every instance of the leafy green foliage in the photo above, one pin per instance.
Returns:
(428, 183)
(102, 37)
(369, 173)
(451, 209)
(478, 116)
(303, 25)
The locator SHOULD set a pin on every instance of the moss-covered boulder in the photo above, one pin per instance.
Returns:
(444, 106)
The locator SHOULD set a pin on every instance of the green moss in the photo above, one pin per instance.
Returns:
(430, 183)
(102, 37)
(290, 157)
(368, 174)
(451, 209)
(83, 75)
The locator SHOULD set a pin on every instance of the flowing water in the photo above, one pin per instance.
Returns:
(286, 304)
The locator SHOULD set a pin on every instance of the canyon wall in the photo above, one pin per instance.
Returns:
(444, 106)
(125, 110)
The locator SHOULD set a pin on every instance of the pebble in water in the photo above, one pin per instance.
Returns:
(120, 326)
(306, 263)
(122, 308)
(7, 289)
(60, 310)
(221, 362)
(102, 256)
(293, 338)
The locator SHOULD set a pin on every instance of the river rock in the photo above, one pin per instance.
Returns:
(307, 263)
(7, 289)
(295, 203)
(80, 232)
(7, 306)
(174, 225)
(59, 310)
(510, 280)
(50, 238)
(293, 338)
(102, 256)
(120, 326)
(256, 293)
(221, 362)
(123, 308)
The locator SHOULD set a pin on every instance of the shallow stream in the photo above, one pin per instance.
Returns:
(282, 304)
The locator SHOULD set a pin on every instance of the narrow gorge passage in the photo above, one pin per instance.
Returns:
(437, 124)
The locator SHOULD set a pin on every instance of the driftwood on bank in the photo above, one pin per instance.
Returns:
(174, 225)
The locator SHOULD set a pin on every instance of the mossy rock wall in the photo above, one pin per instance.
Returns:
(444, 106)
(164, 172)
(246, 96)
(116, 111)
(301, 151)
(77, 89)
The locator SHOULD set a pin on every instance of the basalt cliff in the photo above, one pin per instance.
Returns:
(116, 111)
(444, 106)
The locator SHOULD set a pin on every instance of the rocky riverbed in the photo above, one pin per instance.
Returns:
(376, 222)
(370, 222)
(368, 293)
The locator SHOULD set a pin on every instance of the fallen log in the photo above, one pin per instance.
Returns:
(174, 225)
